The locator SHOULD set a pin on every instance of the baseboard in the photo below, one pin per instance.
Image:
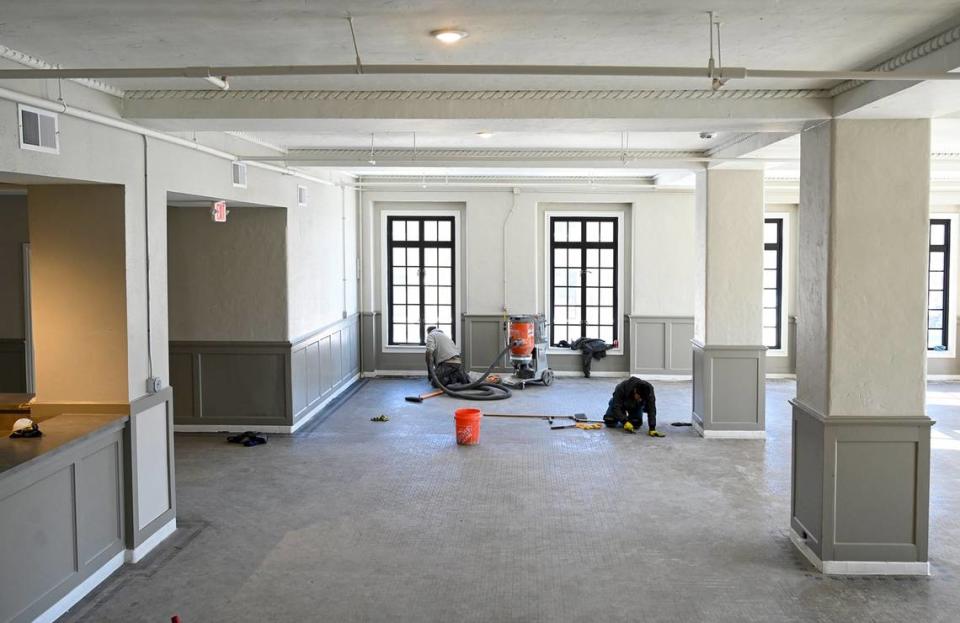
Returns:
(781, 375)
(66, 602)
(274, 429)
(862, 567)
(729, 434)
(320, 407)
(686, 378)
(943, 377)
(388, 374)
(138, 553)
(601, 374)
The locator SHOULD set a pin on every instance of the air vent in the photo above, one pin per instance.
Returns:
(303, 197)
(39, 130)
(239, 174)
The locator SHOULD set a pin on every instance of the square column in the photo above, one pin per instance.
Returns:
(861, 439)
(729, 360)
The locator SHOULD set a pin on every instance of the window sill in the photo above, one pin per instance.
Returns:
(941, 354)
(777, 353)
(562, 352)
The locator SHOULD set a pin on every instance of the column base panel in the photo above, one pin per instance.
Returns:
(728, 434)
(858, 567)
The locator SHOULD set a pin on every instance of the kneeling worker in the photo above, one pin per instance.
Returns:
(630, 399)
(445, 356)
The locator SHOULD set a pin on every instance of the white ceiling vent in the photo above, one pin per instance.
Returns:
(239, 174)
(303, 196)
(39, 130)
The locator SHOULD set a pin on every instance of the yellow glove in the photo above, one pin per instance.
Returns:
(629, 427)
(655, 433)
(588, 426)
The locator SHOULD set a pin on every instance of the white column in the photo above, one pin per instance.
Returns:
(728, 356)
(861, 437)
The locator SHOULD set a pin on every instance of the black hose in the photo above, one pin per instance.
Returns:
(477, 390)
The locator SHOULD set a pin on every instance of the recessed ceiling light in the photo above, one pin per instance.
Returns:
(484, 134)
(449, 35)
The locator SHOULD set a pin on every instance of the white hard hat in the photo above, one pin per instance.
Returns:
(22, 424)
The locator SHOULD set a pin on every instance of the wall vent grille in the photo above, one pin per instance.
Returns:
(303, 196)
(239, 174)
(39, 130)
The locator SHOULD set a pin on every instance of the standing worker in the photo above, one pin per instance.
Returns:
(630, 399)
(444, 355)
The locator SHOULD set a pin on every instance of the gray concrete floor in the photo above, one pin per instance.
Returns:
(363, 521)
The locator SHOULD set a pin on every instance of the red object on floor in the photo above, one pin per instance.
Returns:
(468, 426)
(175, 619)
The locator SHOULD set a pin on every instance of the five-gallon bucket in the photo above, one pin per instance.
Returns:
(468, 426)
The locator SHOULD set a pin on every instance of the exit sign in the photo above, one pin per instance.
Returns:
(219, 212)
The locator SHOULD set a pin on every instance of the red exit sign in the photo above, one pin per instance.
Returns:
(218, 212)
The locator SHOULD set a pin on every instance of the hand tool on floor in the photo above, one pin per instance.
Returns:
(576, 417)
(422, 397)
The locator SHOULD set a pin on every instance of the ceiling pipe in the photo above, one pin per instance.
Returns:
(727, 73)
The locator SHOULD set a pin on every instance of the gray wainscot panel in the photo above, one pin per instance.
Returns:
(861, 486)
(239, 384)
(13, 368)
(321, 364)
(661, 344)
(62, 512)
(729, 388)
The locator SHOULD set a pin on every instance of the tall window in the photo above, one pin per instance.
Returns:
(773, 283)
(583, 278)
(938, 286)
(420, 278)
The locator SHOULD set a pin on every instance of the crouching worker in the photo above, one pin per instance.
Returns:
(630, 399)
(445, 357)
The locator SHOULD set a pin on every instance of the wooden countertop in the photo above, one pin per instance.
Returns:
(59, 434)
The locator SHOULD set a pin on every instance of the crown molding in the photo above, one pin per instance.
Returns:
(26, 60)
(285, 95)
(906, 57)
(479, 155)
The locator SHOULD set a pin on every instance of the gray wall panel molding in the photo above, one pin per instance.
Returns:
(135, 535)
(860, 486)
(321, 364)
(660, 344)
(76, 499)
(729, 389)
(350, 320)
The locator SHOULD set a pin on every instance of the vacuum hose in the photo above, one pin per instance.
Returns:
(477, 390)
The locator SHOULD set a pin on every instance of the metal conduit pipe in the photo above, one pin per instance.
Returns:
(79, 113)
(222, 72)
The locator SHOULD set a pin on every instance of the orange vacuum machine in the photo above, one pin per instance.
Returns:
(527, 337)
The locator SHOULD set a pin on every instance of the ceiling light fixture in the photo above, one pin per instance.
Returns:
(449, 35)
(485, 134)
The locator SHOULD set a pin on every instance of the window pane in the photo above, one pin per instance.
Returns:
(447, 328)
(575, 231)
(559, 231)
(399, 230)
(936, 300)
(559, 333)
(560, 258)
(445, 276)
(770, 233)
(430, 295)
(399, 333)
(413, 295)
(446, 314)
(935, 320)
(573, 258)
(938, 233)
(936, 260)
(430, 314)
(769, 298)
(574, 314)
(606, 334)
(936, 280)
(399, 256)
(430, 230)
(399, 276)
(430, 257)
(413, 276)
(445, 296)
(606, 231)
(606, 258)
(770, 279)
(770, 337)
(444, 257)
(593, 277)
(770, 317)
(560, 314)
(769, 259)
(399, 313)
(560, 277)
(413, 257)
(413, 230)
(606, 277)
(430, 276)
(444, 231)
(606, 296)
(573, 277)
(559, 296)
(935, 338)
(593, 258)
(413, 315)
(593, 296)
(399, 295)
(606, 315)
(593, 331)
(593, 315)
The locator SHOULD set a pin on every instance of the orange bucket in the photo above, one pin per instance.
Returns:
(468, 426)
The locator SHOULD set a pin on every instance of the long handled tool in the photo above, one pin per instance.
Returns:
(422, 397)
(576, 417)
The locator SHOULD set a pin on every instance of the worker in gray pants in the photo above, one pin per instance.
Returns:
(445, 356)
(630, 399)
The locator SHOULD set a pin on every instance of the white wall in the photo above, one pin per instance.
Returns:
(661, 225)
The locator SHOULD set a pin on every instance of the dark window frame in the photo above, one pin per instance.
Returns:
(421, 245)
(778, 247)
(945, 309)
(583, 245)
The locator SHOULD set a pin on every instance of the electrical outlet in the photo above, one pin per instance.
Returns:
(154, 384)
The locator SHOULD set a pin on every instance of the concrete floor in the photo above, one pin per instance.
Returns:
(363, 521)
